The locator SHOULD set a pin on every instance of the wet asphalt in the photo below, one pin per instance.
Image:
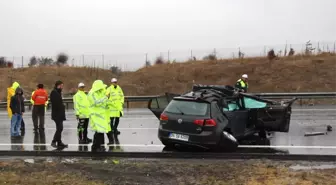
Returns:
(139, 133)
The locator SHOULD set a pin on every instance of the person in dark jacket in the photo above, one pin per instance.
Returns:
(57, 114)
(17, 108)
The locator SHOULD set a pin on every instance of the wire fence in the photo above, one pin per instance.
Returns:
(134, 61)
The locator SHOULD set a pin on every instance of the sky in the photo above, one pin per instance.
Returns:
(125, 30)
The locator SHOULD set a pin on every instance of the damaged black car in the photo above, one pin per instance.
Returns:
(217, 117)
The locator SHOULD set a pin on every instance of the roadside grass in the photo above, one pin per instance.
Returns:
(286, 74)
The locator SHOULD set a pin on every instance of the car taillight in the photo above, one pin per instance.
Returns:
(163, 117)
(208, 122)
(199, 122)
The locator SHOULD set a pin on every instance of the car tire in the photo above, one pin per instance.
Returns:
(262, 134)
(167, 143)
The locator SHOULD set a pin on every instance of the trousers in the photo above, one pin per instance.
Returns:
(16, 124)
(98, 141)
(82, 128)
(58, 133)
(38, 116)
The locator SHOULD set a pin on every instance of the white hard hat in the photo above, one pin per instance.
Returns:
(244, 76)
(114, 80)
(81, 85)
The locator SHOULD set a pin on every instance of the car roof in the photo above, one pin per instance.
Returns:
(203, 95)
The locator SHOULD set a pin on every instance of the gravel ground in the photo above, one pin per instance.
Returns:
(179, 172)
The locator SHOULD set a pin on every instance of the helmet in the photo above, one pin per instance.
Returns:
(114, 80)
(244, 76)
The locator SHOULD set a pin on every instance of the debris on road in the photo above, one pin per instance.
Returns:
(314, 133)
(329, 128)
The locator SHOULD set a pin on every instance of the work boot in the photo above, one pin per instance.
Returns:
(54, 144)
(88, 140)
(62, 145)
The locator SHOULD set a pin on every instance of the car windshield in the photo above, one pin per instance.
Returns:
(188, 108)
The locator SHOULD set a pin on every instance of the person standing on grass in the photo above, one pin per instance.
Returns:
(17, 108)
(39, 99)
(99, 117)
(57, 114)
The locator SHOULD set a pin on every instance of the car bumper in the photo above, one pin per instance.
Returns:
(203, 140)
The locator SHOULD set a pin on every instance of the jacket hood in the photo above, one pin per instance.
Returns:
(97, 85)
(15, 85)
(19, 90)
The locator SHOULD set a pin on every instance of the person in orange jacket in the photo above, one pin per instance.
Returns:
(11, 92)
(39, 97)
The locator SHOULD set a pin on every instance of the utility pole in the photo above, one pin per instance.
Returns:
(83, 60)
(103, 60)
(168, 55)
(191, 55)
(22, 61)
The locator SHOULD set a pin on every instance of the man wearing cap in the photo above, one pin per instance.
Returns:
(242, 83)
(57, 114)
(39, 100)
(82, 112)
(116, 104)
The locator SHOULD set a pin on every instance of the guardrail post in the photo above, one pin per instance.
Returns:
(127, 104)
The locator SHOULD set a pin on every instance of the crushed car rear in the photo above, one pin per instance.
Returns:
(189, 122)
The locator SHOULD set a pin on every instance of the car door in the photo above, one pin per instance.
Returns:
(238, 118)
(158, 104)
(274, 118)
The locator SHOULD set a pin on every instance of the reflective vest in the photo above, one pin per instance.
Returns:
(99, 118)
(81, 104)
(242, 85)
(116, 101)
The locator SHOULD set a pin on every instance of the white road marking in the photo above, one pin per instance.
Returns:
(152, 145)
(89, 128)
(121, 145)
(275, 146)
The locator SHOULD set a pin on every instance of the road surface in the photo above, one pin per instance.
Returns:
(139, 133)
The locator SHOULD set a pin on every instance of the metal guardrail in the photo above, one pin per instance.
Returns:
(69, 100)
(304, 95)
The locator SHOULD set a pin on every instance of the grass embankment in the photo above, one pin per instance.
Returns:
(201, 172)
(287, 74)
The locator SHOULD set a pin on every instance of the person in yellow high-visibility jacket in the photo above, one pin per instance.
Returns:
(99, 115)
(82, 112)
(116, 104)
(10, 93)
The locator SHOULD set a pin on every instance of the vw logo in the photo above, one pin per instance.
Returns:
(179, 121)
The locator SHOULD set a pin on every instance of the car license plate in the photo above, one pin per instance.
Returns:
(178, 137)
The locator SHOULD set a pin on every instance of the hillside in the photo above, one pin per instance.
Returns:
(287, 74)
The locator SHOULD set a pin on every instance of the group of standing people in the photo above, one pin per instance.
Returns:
(101, 108)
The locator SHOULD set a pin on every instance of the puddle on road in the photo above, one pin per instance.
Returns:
(319, 167)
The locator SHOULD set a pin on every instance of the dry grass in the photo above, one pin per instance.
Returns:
(287, 74)
(200, 172)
